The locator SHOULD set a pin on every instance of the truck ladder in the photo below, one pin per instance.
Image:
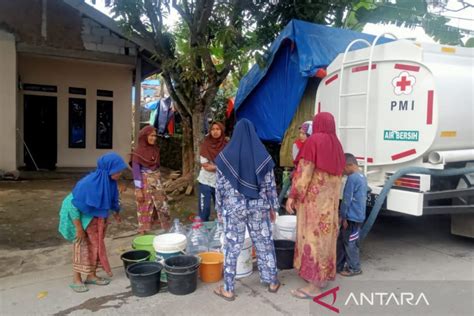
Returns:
(346, 95)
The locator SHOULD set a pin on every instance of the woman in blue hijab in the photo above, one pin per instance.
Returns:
(83, 219)
(245, 199)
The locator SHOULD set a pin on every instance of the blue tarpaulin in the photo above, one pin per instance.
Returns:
(270, 96)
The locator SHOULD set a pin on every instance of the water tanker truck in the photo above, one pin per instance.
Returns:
(406, 111)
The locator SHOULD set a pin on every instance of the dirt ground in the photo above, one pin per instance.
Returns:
(29, 219)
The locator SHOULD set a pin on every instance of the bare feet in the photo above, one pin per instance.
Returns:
(76, 278)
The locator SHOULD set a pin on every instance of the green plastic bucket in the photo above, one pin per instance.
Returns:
(145, 242)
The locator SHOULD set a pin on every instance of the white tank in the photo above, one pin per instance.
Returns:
(421, 100)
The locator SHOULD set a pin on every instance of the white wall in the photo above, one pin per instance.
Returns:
(7, 102)
(65, 73)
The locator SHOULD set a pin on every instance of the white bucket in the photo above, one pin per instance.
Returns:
(244, 261)
(285, 228)
(167, 246)
(169, 243)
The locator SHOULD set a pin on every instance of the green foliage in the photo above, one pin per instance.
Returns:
(272, 16)
(236, 42)
(408, 13)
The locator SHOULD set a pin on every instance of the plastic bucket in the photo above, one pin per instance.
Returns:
(285, 227)
(144, 278)
(181, 264)
(134, 256)
(182, 283)
(145, 242)
(212, 263)
(166, 255)
(284, 251)
(167, 246)
(169, 243)
(161, 256)
(244, 261)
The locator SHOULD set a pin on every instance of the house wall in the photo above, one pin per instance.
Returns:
(100, 39)
(65, 73)
(7, 102)
(64, 26)
(24, 18)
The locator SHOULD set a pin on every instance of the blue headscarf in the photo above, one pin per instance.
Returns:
(245, 161)
(97, 193)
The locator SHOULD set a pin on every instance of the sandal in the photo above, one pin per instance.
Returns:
(275, 288)
(302, 295)
(78, 288)
(219, 292)
(349, 273)
(98, 281)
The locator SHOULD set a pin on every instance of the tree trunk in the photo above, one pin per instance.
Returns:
(197, 138)
(187, 150)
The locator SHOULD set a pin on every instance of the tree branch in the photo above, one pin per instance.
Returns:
(185, 13)
(208, 64)
(205, 14)
(180, 99)
(154, 16)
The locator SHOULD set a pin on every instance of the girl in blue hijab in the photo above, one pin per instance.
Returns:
(83, 219)
(246, 197)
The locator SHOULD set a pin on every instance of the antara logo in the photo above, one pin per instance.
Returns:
(387, 298)
(372, 299)
(333, 291)
(403, 83)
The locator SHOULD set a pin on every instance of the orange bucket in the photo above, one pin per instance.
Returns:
(211, 266)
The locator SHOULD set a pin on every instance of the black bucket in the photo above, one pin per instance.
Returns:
(144, 278)
(285, 251)
(181, 264)
(134, 256)
(182, 283)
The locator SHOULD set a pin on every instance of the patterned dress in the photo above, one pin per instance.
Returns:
(238, 214)
(317, 198)
(90, 253)
(154, 207)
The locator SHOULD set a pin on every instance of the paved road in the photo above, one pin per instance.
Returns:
(404, 254)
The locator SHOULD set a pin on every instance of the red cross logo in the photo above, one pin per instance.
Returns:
(403, 83)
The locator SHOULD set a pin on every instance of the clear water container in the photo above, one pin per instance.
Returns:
(215, 243)
(198, 241)
(177, 227)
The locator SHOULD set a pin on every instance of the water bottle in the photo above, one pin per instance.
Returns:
(197, 239)
(215, 243)
(198, 221)
(177, 227)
